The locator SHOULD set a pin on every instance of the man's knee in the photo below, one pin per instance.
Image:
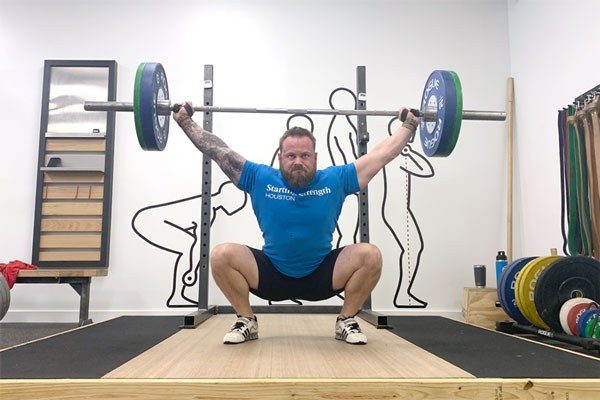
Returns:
(222, 255)
(371, 256)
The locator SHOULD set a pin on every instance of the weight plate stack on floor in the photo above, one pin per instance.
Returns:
(506, 289)
(592, 326)
(562, 280)
(525, 287)
(571, 305)
(587, 318)
(575, 313)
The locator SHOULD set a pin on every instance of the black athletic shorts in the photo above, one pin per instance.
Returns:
(275, 286)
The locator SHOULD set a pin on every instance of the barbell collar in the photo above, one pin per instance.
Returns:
(165, 107)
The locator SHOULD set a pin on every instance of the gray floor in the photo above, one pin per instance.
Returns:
(12, 334)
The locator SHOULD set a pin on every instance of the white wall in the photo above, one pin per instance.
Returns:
(266, 53)
(554, 58)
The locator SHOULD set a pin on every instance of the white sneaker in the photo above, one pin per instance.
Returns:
(348, 330)
(242, 330)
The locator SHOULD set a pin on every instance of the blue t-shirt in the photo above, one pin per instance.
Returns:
(297, 224)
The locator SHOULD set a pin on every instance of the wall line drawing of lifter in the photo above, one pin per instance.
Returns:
(172, 227)
(297, 207)
(402, 223)
(341, 138)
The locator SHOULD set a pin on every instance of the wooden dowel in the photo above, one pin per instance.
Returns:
(509, 190)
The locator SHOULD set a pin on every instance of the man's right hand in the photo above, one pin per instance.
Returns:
(407, 113)
(182, 114)
(409, 119)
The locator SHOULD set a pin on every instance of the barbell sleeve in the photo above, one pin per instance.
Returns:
(107, 106)
(165, 108)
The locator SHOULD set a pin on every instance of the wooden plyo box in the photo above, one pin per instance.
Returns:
(479, 307)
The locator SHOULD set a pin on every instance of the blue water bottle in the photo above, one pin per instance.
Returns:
(501, 262)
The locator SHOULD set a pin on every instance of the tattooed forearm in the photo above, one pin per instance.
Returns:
(228, 160)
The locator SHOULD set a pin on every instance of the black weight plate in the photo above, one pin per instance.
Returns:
(562, 280)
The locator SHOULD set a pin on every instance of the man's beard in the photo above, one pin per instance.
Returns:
(298, 176)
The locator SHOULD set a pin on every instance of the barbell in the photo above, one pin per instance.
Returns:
(441, 110)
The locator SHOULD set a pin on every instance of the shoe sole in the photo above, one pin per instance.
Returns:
(252, 337)
(339, 337)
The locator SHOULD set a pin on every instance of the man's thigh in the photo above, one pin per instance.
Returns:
(240, 258)
(350, 259)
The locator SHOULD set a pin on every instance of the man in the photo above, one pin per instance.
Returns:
(297, 208)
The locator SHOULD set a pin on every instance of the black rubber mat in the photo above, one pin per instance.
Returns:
(14, 333)
(488, 354)
(90, 352)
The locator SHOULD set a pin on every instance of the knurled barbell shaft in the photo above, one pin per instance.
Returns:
(165, 108)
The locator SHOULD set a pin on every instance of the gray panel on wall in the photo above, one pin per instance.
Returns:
(69, 88)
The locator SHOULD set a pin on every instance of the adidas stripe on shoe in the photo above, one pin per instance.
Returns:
(242, 330)
(349, 331)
